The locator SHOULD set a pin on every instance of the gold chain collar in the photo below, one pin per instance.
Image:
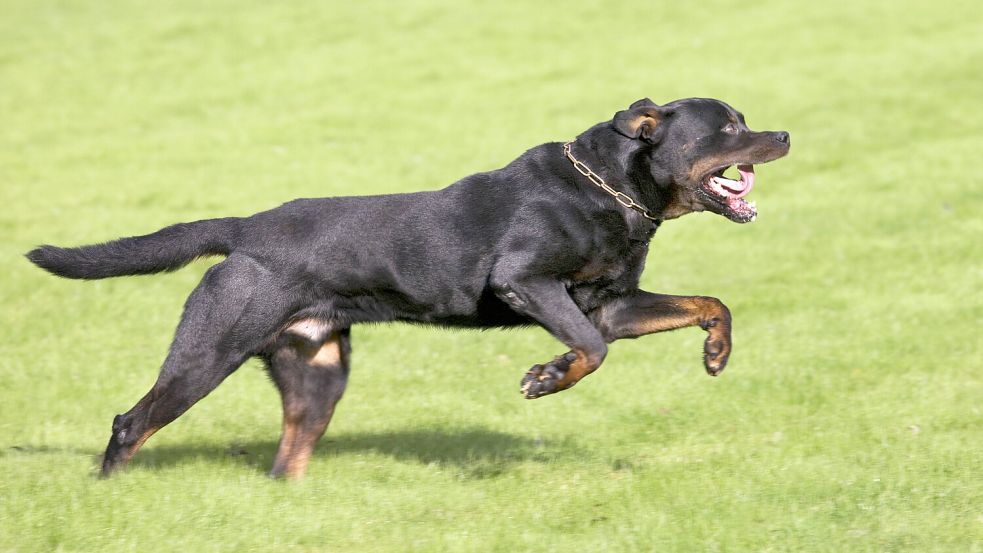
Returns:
(621, 197)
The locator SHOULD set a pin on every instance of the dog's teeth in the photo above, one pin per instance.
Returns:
(753, 217)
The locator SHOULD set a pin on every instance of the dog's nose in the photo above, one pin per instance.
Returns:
(782, 137)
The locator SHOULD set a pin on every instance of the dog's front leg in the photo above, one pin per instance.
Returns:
(548, 303)
(643, 313)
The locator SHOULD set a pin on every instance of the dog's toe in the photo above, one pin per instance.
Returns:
(530, 381)
(543, 380)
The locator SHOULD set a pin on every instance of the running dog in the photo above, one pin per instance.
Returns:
(557, 238)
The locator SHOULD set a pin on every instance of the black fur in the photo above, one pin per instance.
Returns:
(535, 242)
(167, 249)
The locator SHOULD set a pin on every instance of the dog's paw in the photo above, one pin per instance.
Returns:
(716, 351)
(542, 380)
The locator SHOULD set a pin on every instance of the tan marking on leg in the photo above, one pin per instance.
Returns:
(283, 452)
(296, 447)
(133, 448)
(304, 423)
(300, 456)
(660, 324)
(692, 311)
(582, 366)
(329, 354)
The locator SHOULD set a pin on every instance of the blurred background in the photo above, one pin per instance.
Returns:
(849, 418)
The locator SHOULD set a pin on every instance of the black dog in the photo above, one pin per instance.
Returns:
(557, 238)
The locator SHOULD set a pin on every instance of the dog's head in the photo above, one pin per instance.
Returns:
(689, 144)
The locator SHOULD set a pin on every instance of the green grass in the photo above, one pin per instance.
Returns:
(849, 419)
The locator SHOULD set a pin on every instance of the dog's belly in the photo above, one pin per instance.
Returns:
(339, 311)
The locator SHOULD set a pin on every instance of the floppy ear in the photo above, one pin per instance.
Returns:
(643, 119)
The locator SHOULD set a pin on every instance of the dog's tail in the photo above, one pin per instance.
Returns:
(167, 249)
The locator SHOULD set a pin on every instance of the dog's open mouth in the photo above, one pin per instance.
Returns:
(728, 194)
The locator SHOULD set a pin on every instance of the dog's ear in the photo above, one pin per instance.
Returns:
(642, 120)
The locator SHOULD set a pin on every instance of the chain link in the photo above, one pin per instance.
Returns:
(621, 197)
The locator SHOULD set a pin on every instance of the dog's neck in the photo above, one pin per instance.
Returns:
(623, 164)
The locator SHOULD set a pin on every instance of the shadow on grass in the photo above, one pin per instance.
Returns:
(474, 452)
(12, 450)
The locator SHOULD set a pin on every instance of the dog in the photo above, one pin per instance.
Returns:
(557, 238)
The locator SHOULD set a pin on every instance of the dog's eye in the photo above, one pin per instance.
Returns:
(730, 128)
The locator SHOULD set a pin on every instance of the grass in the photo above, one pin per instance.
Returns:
(850, 416)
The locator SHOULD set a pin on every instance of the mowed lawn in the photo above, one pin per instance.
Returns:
(849, 419)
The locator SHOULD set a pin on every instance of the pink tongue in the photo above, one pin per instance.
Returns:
(747, 179)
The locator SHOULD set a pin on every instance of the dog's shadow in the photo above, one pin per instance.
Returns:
(473, 452)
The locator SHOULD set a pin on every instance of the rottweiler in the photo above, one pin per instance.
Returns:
(557, 238)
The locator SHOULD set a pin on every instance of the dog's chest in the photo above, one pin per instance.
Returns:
(608, 273)
(602, 268)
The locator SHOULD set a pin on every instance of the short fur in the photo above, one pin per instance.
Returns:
(533, 243)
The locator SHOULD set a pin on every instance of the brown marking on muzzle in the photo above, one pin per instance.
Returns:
(752, 154)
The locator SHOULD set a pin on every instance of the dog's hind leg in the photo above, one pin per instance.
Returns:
(225, 321)
(311, 377)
